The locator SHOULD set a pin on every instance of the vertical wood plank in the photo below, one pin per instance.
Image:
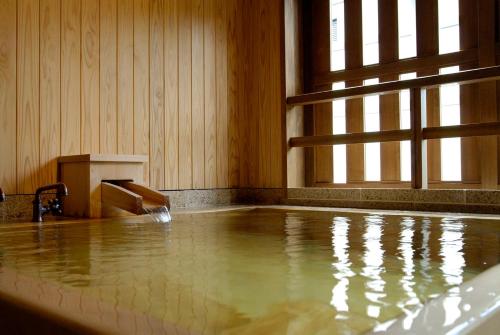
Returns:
(50, 86)
(389, 103)
(264, 75)
(354, 107)
(8, 89)
(294, 82)
(233, 99)
(487, 91)
(157, 116)
(243, 96)
(70, 77)
(28, 109)
(185, 139)
(108, 77)
(125, 76)
(276, 110)
(171, 95)
(471, 168)
(210, 96)
(428, 45)
(90, 76)
(221, 82)
(141, 79)
(198, 101)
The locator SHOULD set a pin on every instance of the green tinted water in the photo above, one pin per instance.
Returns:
(259, 271)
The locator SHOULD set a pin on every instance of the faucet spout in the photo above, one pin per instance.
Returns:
(2, 196)
(55, 206)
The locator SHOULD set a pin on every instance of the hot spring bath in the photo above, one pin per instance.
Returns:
(247, 271)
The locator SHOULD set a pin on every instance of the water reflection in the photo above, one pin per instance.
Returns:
(261, 271)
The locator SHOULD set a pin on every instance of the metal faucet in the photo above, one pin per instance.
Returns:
(55, 206)
(2, 196)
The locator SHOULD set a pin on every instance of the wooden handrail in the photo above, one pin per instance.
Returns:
(463, 77)
(429, 133)
(398, 67)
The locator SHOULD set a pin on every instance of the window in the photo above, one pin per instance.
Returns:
(337, 35)
(339, 127)
(405, 123)
(407, 27)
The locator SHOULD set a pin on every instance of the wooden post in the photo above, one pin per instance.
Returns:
(418, 145)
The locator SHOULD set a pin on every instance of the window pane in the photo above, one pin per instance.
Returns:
(449, 35)
(372, 123)
(370, 31)
(337, 35)
(339, 127)
(407, 29)
(405, 123)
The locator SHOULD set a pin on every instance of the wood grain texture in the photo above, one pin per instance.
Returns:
(90, 77)
(222, 91)
(198, 94)
(185, 94)
(157, 97)
(50, 89)
(28, 108)
(141, 79)
(70, 77)
(8, 47)
(108, 77)
(210, 95)
(234, 103)
(171, 95)
(125, 116)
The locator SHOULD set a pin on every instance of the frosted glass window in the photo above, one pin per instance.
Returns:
(339, 127)
(337, 35)
(405, 123)
(407, 27)
(449, 34)
(372, 123)
(450, 115)
(370, 31)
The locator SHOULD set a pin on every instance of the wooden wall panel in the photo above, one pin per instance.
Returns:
(50, 89)
(108, 81)
(222, 90)
(185, 70)
(90, 77)
(210, 97)
(198, 97)
(233, 57)
(171, 95)
(70, 77)
(157, 97)
(8, 89)
(28, 108)
(141, 78)
(125, 54)
(193, 84)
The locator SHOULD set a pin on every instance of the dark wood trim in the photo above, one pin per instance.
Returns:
(418, 152)
(434, 81)
(398, 67)
(465, 130)
(352, 138)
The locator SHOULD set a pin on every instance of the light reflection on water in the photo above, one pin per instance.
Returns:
(261, 271)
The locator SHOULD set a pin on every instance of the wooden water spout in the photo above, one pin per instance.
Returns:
(131, 197)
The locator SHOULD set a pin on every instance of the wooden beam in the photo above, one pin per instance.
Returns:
(352, 138)
(354, 108)
(487, 93)
(427, 82)
(465, 130)
(418, 146)
(389, 104)
(397, 67)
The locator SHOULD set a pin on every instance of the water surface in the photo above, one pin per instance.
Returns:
(259, 271)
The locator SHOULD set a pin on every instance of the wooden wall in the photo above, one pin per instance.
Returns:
(194, 84)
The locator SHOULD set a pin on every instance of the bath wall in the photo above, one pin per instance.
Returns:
(194, 84)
